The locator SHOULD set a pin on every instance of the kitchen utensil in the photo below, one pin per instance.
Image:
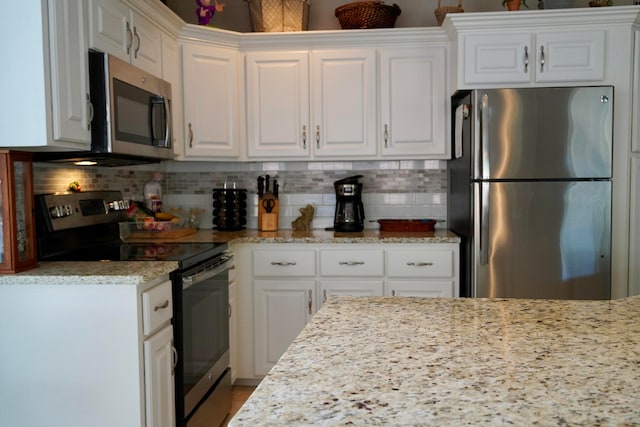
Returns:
(260, 186)
(268, 204)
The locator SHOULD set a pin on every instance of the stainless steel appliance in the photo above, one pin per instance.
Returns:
(530, 191)
(200, 291)
(131, 116)
(349, 213)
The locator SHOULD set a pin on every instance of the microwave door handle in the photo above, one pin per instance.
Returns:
(168, 121)
(157, 101)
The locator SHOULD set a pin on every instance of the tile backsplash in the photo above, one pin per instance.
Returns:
(392, 189)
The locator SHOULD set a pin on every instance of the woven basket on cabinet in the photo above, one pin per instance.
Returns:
(441, 11)
(367, 14)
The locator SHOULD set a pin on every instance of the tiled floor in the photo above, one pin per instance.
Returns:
(239, 395)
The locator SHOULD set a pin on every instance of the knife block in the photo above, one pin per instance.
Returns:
(268, 221)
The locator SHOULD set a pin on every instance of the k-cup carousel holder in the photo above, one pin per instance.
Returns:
(229, 209)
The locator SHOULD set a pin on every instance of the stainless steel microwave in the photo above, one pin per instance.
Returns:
(131, 110)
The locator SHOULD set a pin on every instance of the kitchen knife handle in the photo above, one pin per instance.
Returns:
(526, 59)
(304, 137)
(542, 59)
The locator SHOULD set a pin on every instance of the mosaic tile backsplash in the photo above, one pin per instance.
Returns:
(391, 189)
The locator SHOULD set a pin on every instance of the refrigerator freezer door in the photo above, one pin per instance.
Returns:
(548, 133)
(542, 240)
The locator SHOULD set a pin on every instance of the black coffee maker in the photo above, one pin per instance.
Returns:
(349, 214)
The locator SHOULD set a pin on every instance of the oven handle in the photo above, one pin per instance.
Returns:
(225, 263)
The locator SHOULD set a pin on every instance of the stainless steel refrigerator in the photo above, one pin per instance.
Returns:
(529, 191)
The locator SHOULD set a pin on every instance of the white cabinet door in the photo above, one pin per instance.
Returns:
(69, 71)
(159, 379)
(570, 56)
(343, 87)
(413, 102)
(422, 289)
(281, 310)
(533, 57)
(367, 288)
(277, 86)
(116, 29)
(497, 58)
(210, 78)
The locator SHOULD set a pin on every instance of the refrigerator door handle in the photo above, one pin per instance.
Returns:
(484, 222)
(482, 154)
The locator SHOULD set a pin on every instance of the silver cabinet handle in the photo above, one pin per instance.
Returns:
(129, 38)
(283, 263)
(165, 304)
(351, 263)
(137, 36)
(526, 59)
(419, 264)
(386, 135)
(304, 137)
(324, 296)
(190, 136)
(393, 293)
(175, 358)
(317, 136)
(310, 301)
(542, 59)
(229, 310)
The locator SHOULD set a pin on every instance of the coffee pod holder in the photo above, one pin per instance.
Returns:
(229, 209)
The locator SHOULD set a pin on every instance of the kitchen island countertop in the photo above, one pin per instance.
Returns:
(412, 361)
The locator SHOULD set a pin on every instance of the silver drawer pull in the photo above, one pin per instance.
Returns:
(351, 263)
(165, 304)
(283, 263)
(420, 264)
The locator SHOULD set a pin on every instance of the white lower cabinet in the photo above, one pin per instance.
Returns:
(281, 286)
(281, 308)
(89, 354)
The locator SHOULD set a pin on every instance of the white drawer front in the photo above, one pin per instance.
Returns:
(361, 263)
(157, 307)
(284, 263)
(421, 263)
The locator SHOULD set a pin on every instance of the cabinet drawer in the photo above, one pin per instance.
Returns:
(157, 307)
(361, 263)
(423, 263)
(284, 263)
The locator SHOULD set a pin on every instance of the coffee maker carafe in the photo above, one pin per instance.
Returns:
(349, 215)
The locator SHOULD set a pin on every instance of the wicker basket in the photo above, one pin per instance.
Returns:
(279, 15)
(367, 14)
(441, 11)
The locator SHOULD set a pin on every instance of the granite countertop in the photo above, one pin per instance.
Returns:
(91, 273)
(412, 361)
(319, 236)
(138, 272)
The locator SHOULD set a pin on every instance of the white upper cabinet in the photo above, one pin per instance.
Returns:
(319, 104)
(117, 29)
(413, 102)
(210, 82)
(277, 86)
(343, 87)
(503, 57)
(45, 81)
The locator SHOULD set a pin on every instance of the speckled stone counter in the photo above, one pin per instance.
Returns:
(319, 236)
(437, 362)
(93, 273)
